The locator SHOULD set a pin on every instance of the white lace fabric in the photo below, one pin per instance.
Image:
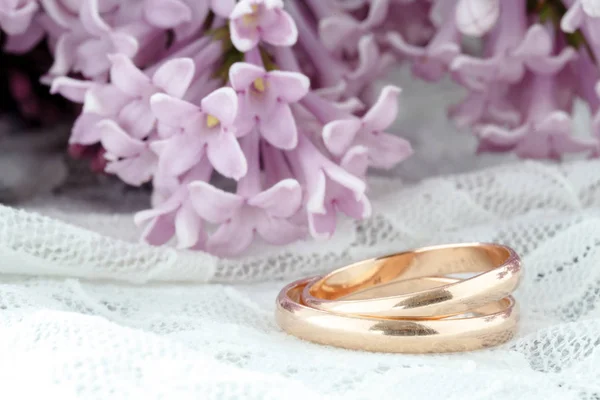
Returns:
(86, 311)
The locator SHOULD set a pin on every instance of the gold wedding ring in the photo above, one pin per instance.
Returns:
(407, 303)
(369, 287)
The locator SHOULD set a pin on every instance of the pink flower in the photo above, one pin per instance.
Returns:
(329, 188)
(584, 15)
(385, 150)
(505, 52)
(209, 128)
(535, 50)
(129, 158)
(547, 131)
(339, 30)
(495, 105)
(166, 102)
(126, 99)
(265, 99)
(251, 211)
(172, 78)
(83, 40)
(100, 102)
(253, 21)
(240, 217)
(175, 215)
(431, 62)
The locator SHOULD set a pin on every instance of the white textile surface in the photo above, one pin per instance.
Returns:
(88, 312)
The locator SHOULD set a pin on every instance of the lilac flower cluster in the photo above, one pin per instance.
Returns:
(538, 57)
(276, 100)
(276, 97)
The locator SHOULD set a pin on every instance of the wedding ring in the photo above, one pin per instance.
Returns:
(487, 326)
(371, 287)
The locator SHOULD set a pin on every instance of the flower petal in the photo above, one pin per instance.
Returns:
(574, 144)
(338, 135)
(384, 111)
(172, 111)
(84, 129)
(356, 161)
(231, 238)
(283, 32)
(290, 87)
(377, 13)
(91, 19)
(322, 226)
(537, 42)
(124, 43)
(136, 170)
(243, 39)
(105, 100)
(92, 59)
(369, 57)
(552, 65)
(199, 12)
(316, 201)
(159, 231)
(225, 154)
(59, 13)
(223, 104)
(166, 13)
(242, 75)
(500, 136)
(72, 89)
(19, 19)
(188, 227)
(213, 204)
(385, 150)
(180, 153)
(170, 205)
(573, 18)
(137, 118)
(282, 200)
(222, 8)
(469, 111)
(397, 43)
(241, 9)
(591, 7)
(116, 141)
(64, 54)
(477, 17)
(334, 30)
(280, 128)
(279, 231)
(348, 181)
(25, 42)
(126, 76)
(355, 208)
(175, 76)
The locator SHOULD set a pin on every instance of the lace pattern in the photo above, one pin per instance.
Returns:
(76, 321)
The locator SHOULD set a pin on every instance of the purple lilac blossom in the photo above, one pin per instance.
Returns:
(280, 97)
(176, 93)
(536, 59)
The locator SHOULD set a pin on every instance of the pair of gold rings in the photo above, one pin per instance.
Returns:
(409, 302)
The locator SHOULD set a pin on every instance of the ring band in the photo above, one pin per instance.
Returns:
(371, 287)
(493, 324)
